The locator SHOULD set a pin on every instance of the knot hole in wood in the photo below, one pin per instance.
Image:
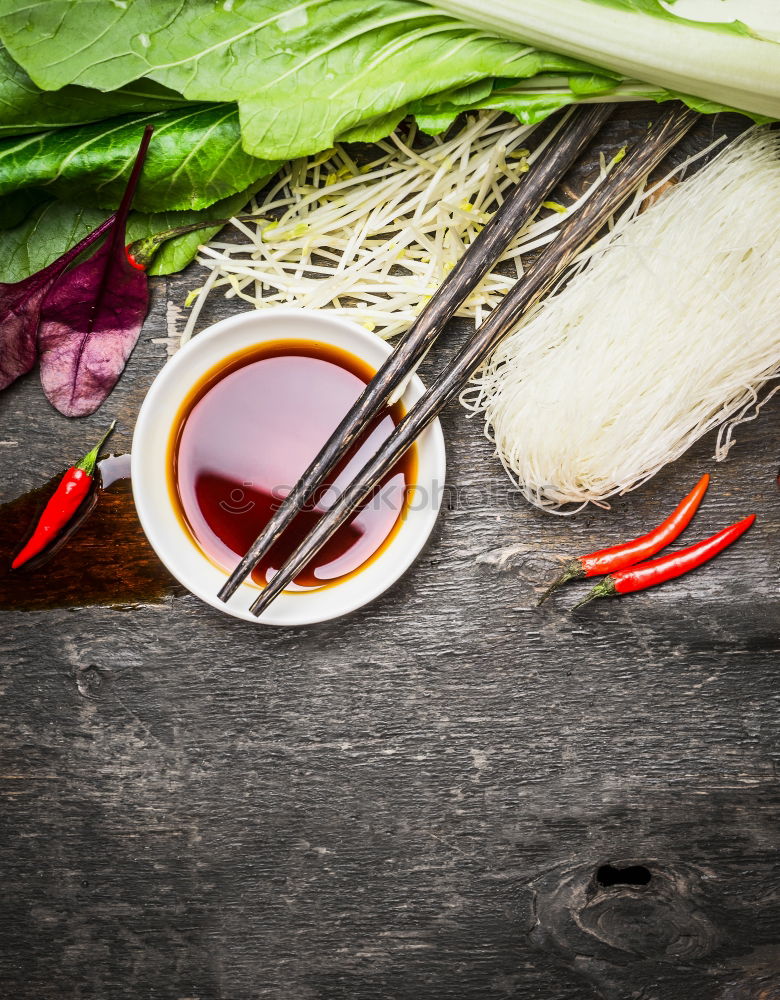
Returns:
(603, 917)
(636, 875)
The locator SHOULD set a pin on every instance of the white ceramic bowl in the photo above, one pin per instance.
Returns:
(171, 539)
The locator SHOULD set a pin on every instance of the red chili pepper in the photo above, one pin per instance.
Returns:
(650, 574)
(619, 556)
(132, 261)
(71, 491)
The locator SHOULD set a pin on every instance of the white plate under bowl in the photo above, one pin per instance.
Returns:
(150, 473)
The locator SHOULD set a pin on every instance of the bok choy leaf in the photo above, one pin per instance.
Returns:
(26, 108)
(724, 63)
(196, 159)
(306, 73)
(303, 74)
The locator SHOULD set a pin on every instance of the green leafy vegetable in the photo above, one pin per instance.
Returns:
(195, 160)
(14, 208)
(531, 101)
(725, 63)
(26, 108)
(235, 87)
(656, 9)
(55, 226)
(43, 237)
(304, 73)
(178, 252)
(375, 128)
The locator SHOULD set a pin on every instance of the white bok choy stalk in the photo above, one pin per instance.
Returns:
(728, 63)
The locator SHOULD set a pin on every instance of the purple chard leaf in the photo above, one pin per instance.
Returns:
(92, 316)
(20, 308)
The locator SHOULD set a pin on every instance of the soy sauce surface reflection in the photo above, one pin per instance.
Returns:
(248, 432)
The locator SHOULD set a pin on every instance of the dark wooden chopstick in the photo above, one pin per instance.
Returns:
(520, 205)
(619, 184)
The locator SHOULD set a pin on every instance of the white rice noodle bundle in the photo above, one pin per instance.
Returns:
(669, 328)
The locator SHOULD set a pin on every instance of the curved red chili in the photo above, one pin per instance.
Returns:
(71, 491)
(650, 574)
(619, 556)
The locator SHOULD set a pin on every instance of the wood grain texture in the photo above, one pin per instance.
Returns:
(410, 803)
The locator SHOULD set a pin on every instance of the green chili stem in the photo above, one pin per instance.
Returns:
(89, 461)
(142, 251)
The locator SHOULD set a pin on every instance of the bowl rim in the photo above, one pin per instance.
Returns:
(162, 524)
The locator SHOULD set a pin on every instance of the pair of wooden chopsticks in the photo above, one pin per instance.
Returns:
(516, 210)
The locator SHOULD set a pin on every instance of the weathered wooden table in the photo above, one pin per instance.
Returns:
(449, 794)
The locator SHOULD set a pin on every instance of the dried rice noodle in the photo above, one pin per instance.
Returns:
(668, 329)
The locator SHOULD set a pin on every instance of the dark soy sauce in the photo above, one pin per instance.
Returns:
(248, 432)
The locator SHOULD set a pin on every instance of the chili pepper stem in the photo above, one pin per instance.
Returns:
(141, 252)
(571, 571)
(89, 461)
(605, 588)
